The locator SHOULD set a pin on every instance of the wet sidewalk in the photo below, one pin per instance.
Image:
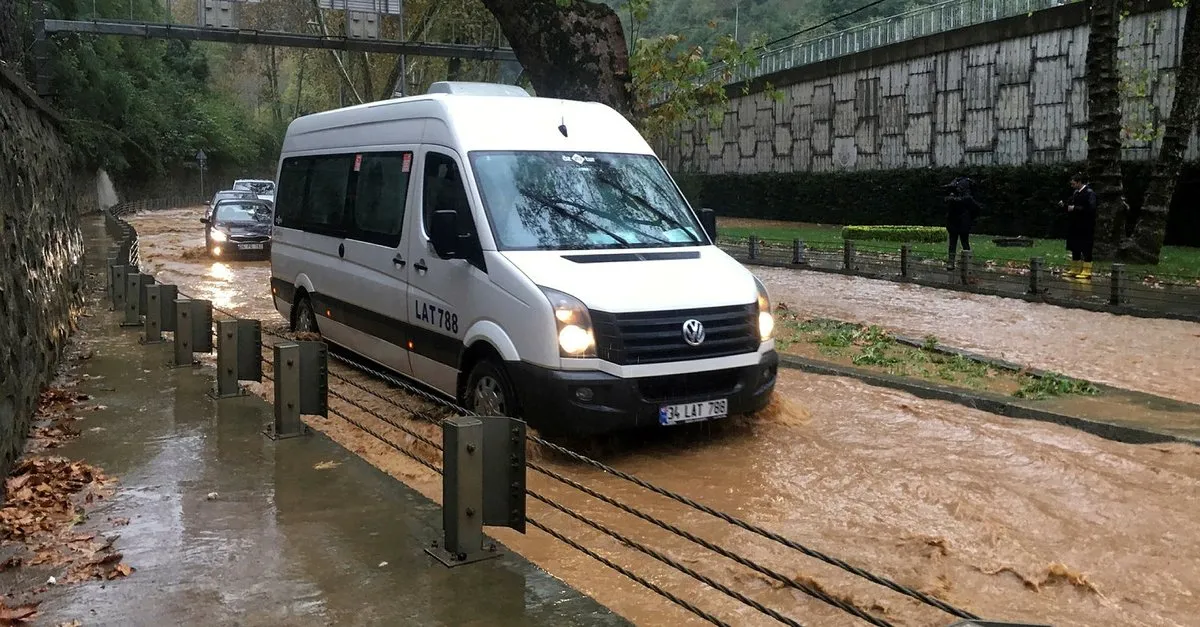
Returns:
(229, 527)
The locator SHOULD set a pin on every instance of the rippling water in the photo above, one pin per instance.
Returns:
(1014, 520)
(1155, 356)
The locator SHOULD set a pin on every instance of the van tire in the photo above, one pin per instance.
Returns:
(304, 320)
(489, 391)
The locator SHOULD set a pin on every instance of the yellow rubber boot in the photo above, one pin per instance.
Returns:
(1071, 272)
(1086, 273)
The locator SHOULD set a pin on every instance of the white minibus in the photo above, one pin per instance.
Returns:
(528, 257)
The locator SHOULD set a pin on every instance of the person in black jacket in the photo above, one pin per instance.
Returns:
(1081, 227)
(961, 208)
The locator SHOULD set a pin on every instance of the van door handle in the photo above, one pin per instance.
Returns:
(400, 262)
(421, 267)
(341, 250)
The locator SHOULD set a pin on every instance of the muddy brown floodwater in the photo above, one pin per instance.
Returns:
(1148, 355)
(1013, 520)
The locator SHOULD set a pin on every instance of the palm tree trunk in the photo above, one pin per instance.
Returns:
(1145, 245)
(1104, 127)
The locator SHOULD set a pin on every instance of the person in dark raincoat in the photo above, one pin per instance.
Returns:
(1081, 227)
(961, 209)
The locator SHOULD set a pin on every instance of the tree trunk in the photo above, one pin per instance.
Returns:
(575, 51)
(1104, 127)
(1145, 245)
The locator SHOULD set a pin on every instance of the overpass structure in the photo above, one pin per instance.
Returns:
(223, 21)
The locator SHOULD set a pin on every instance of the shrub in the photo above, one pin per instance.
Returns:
(902, 234)
(1017, 200)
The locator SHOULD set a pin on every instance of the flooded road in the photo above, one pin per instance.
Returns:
(1013, 520)
(1148, 355)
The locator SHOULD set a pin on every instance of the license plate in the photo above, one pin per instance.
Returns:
(250, 246)
(693, 412)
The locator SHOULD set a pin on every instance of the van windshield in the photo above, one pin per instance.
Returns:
(569, 201)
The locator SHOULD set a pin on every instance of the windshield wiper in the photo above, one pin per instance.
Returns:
(557, 205)
(662, 215)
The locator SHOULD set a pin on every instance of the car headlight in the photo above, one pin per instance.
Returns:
(218, 236)
(574, 325)
(766, 319)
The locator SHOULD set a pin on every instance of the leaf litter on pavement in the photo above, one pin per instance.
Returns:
(46, 498)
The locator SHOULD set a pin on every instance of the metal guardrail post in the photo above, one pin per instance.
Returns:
(202, 325)
(964, 266)
(462, 493)
(752, 247)
(798, 252)
(118, 282)
(183, 332)
(1118, 295)
(154, 315)
(133, 303)
(905, 254)
(167, 295)
(1035, 275)
(483, 484)
(287, 422)
(848, 254)
(227, 360)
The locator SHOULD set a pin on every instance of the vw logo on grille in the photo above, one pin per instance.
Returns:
(693, 332)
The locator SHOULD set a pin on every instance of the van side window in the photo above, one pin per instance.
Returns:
(293, 182)
(380, 197)
(325, 203)
(444, 190)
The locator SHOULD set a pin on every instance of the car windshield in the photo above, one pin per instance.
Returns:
(228, 195)
(243, 213)
(568, 201)
(258, 187)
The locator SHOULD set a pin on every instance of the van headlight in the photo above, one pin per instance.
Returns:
(766, 320)
(575, 337)
(218, 236)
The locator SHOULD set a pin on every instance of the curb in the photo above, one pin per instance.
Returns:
(991, 403)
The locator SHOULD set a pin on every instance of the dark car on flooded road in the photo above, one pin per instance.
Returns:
(228, 194)
(238, 228)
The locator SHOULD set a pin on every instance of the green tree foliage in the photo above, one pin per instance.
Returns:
(138, 107)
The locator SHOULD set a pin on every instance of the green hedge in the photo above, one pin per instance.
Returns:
(1017, 200)
(902, 234)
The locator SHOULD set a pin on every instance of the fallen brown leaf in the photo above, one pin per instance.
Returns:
(18, 614)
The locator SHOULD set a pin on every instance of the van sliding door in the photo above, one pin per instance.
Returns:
(377, 256)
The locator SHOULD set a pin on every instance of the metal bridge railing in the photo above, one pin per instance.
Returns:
(921, 22)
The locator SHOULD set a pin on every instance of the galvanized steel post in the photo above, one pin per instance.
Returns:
(227, 359)
(154, 312)
(905, 253)
(1035, 275)
(964, 266)
(118, 282)
(752, 247)
(287, 422)
(848, 254)
(183, 332)
(462, 493)
(1117, 295)
(798, 252)
(133, 305)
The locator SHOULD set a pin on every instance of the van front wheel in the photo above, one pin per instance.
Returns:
(489, 392)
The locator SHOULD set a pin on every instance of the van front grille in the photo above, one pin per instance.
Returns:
(657, 337)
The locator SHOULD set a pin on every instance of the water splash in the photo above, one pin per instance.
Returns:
(106, 192)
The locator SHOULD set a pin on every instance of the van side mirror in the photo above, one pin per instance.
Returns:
(204, 220)
(443, 233)
(708, 220)
(208, 202)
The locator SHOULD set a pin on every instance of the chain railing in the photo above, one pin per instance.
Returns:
(1116, 288)
(920, 22)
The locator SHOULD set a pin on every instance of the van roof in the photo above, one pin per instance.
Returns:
(468, 123)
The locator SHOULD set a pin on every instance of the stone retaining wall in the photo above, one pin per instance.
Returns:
(42, 196)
